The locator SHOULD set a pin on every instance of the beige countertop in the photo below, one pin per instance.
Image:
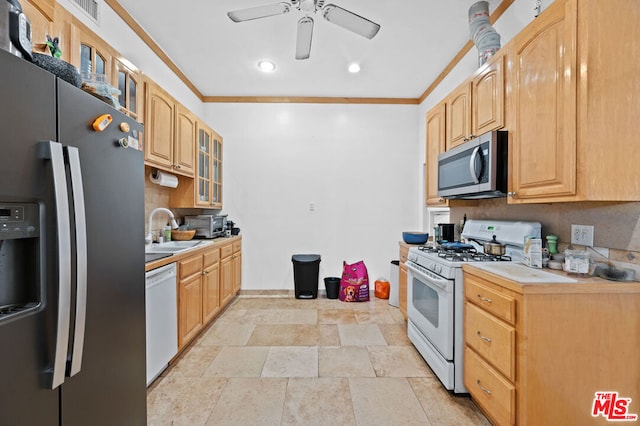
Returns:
(525, 280)
(206, 245)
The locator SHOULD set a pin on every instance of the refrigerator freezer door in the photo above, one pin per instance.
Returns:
(27, 117)
(110, 387)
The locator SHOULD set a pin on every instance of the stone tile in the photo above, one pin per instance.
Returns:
(195, 362)
(398, 361)
(395, 334)
(226, 333)
(183, 401)
(294, 335)
(254, 303)
(336, 316)
(374, 316)
(238, 361)
(397, 315)
(360, 335)
(386, 401)
(291, 361)
(323, 401)
(283, 316)
(345, 361)
(250, 401)
(444, 408)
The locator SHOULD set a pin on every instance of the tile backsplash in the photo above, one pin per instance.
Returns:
(616, 225)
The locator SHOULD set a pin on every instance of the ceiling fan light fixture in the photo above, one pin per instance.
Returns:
(350, 21)
(266, 66)
(354, 68)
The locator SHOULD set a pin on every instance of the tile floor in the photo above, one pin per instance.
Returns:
(283, 361)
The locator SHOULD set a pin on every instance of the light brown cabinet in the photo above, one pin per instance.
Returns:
(189, 299)
(205, 190)
(170, 132)
(205, 286)
(573, 109)
(230, 270)
(159, 113)
(529, 346)
(476, 106)
(402, 279)
(185, 141)
(436, 144)
(458, 116)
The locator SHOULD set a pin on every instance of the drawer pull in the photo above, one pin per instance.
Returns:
(486, 339)
(485, 390)
(484, 299)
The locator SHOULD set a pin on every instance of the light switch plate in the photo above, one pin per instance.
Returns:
(582, 235)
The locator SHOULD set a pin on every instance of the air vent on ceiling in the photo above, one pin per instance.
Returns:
(89, 6)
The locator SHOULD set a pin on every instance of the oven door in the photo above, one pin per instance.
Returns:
(430, 307)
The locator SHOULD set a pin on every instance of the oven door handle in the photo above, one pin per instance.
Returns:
(441, 283)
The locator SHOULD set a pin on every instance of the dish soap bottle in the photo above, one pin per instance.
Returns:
(167, 232)
(552, 243)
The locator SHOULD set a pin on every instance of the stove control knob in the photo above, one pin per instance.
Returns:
(439, 269)
(432, 267)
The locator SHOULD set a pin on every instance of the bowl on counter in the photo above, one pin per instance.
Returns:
(415, 237)
(180, 235)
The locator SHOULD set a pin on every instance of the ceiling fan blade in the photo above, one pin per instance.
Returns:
(259, 12)
(303, 42)
(350, 21)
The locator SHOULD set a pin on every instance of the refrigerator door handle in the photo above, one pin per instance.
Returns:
(53, 151)
(74, 364)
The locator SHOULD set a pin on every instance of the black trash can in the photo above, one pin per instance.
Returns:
(332, 285)
(306, 268)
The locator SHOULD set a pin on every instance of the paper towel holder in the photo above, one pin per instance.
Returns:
(163, 178)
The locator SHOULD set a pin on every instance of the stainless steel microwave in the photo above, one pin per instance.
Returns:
(476, 169)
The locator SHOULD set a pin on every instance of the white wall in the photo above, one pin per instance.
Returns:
(356, 163)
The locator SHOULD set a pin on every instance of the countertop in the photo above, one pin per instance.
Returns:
(206, 245)
(525, 280)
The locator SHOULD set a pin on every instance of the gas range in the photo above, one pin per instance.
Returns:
(435, 292)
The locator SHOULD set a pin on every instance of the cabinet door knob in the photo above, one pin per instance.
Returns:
(511, 194)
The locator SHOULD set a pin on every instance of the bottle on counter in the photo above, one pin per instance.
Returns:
(167, 232)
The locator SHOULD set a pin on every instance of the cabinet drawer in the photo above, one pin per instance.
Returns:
(237, 246)
(491, 338)
(226, 251)
(501, 305)
(190, 266)
(493, 393)
(211, 257)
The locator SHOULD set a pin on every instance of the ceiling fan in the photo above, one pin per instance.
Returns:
(332, 13)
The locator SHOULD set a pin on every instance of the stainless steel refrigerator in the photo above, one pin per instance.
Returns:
(72, 315)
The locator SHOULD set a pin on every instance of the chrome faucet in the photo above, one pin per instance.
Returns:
(174, 225)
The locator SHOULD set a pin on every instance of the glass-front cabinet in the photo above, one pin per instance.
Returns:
(209, 179)
(129, 82)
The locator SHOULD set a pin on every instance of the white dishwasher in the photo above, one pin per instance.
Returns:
(162, 319)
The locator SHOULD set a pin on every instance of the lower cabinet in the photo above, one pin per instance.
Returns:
(402, 279)
(207, 282)
(540, 354)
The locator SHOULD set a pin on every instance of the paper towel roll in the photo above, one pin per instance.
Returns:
(164, 179)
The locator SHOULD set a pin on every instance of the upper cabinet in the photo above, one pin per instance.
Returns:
(542, 59)
(573, 109)
(159, 112)
(170, 132)
(477, 105)
(205, 190)
(436, 144)
(129, 82)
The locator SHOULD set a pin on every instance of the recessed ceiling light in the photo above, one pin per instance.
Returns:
(266, 66)
(354, 68)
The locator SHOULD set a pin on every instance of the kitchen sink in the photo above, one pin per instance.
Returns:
(172, 246)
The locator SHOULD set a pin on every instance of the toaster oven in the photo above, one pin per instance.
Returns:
(207, 225)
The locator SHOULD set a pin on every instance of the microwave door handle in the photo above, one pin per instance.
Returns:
(52, 151)
(472, 165)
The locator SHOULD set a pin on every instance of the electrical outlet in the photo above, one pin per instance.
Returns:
(312, 206)
(582, 235)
